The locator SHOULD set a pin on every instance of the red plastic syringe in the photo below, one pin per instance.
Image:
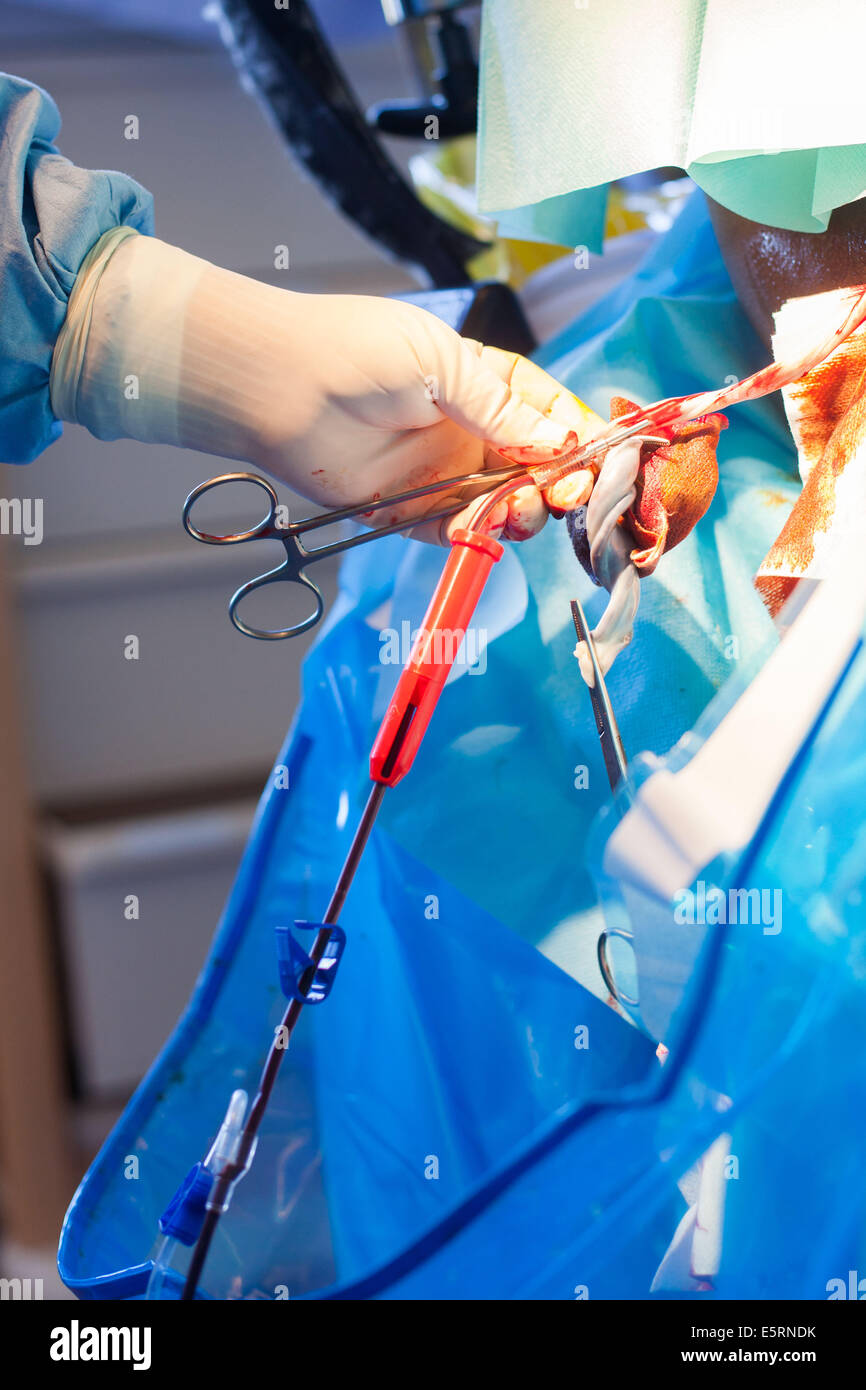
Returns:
(455, 598)
(473, 555)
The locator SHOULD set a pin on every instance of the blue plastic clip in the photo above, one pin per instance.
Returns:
(184, 1215)
(294, 962)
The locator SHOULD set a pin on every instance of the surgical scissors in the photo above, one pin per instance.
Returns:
(615, 762)
(298, 556)
(616, 766)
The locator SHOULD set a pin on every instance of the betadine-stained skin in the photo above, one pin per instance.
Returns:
(674, 487)
(650, 493)
(675, 484)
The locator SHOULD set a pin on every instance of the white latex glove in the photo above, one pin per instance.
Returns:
(343, 397)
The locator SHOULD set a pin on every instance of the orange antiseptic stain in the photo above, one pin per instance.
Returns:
(775, 590)
(832, 408)
(773, 497)
(827, 393)
(674, 487)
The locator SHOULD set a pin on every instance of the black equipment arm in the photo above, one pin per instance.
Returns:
(283, 54)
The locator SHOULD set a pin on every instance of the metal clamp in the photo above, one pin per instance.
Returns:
(604, 966)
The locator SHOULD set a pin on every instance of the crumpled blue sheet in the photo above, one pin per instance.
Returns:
(439, 1127)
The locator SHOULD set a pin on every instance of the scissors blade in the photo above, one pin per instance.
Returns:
(615, 761)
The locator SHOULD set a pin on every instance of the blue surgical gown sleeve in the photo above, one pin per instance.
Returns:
(51, 214)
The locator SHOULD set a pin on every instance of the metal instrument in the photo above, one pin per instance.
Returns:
(299, 557)
(616, 766)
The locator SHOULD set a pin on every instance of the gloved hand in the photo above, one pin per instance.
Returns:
(342, 397)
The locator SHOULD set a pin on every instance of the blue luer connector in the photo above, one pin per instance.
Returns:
(294, 962)
(183, 1217)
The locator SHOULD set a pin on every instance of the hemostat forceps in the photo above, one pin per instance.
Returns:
(616, 766)
(298, 556)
